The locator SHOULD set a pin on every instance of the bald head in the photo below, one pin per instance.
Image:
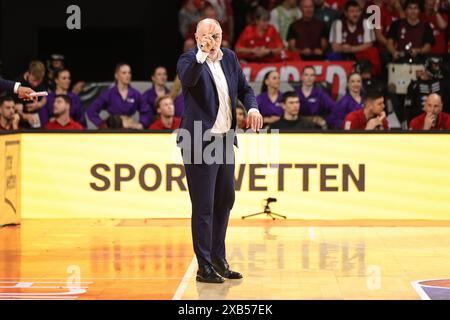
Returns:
(434, 98)
(433, 104)
(209, 31)
(307, 9)
(208, 24)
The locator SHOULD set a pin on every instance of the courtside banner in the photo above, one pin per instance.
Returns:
(334, 72)
(313, 176)
(10, 179)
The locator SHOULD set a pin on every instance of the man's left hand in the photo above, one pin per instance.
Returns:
(254, 120)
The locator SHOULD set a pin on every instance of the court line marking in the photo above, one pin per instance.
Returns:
(22, 284)
(43, 294)
(89, 278)
(36, 298)
(41, 287)
(186, 279)
(311, 233)
(418, 287)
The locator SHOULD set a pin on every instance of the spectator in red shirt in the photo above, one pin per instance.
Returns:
(438, 22)
(62, 79)
(61, 112)
(308, 35)
(260, 42)
(9, 119)
(433, 118)
(166, 111)
(371, 117)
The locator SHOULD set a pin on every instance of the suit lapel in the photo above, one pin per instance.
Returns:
(227, 72)
(210, 73)
(208, 69)
(228, 77)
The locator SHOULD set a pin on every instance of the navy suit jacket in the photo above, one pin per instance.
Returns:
(7, 86)
(201, 99)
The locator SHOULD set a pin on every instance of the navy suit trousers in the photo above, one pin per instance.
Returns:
(211, 189)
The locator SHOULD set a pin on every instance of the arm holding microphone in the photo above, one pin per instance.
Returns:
(15, 87)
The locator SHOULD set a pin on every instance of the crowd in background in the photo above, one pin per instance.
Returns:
(409, 31)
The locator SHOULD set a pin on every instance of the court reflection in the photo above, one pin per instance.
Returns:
(140, 260)
(157, 253)
(211, 291)
(10, 253)
(284, 252)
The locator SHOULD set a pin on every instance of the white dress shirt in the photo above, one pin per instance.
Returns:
(16, 87)
(224, 116)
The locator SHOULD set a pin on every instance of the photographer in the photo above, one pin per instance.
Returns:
(429, 81)
(411, 38)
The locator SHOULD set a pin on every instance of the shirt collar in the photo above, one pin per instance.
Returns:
(130, 90)
(219, 55)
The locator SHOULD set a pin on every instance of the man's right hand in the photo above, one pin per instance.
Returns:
(31, 118)
(374, 123)
(396, 55)
(430, 118)
(206, 43)
(15, 122)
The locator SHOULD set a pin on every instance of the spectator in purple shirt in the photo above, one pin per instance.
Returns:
(122, 100)
(350, 102)
(62, 82)
(269, 101)
(315, 102)
(159, 89)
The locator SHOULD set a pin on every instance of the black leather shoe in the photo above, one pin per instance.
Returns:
(206, 273)
(222, 268)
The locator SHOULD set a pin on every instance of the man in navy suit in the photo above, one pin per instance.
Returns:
(212, 82)
(15, 87)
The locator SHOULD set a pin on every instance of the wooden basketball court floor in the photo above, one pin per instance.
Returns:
(153, 259)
